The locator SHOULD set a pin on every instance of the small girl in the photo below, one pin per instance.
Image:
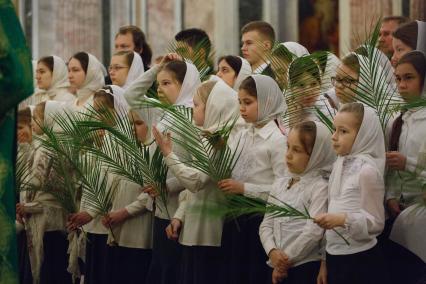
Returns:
(214, 105)
(177, 81)
(233, 70)
(259, 164)
(44, 217)
(293, 245)
(125, 67)
(131, 219)
(356, 191)
(305, 91)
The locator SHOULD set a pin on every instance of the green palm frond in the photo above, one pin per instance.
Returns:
(373, 88)
(210, 152)
(201, 56)
(23, 170)
(123, 154)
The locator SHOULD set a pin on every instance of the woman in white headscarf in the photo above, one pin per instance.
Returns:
(408, 37)
(309, 158)
(51, 76)
(125, 67)
(356, 192)
(214, 105)
(262, 146)
(86, 76)
(233, 70)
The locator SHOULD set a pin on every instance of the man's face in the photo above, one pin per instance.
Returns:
(124, 42)
(385, 37)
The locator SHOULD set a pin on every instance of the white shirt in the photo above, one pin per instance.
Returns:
(361, 198)
(412, 137)
(261, 68)
(200, 226)
(261, 160)
(299, 239)
(136, 231)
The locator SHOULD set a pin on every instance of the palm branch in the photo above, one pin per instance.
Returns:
(373, 89)
(201, 56)
(210, 152)
(123, 153)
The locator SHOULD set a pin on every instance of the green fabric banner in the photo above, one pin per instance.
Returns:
(16, 83)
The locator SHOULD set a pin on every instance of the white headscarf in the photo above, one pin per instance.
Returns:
(330, 71)
(322, 156)
(151, 116)
(189, 85)
(270, 99)
(296, 48)
(51, 110)
(222, 105)
(94, 78)
(365, 75)
(421, 36)
(135, 70)
(245, 71)
(120, 104)
(369, 145)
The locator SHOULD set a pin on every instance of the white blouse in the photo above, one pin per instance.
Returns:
(200, 226)
(261, 160)
(412, 137)
(299, 239)
(136, 231)
(361, 198)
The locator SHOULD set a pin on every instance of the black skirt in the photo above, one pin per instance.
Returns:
(55, 261)
(166, 256)
(128, 265)
(25, 276)
(244, 257)
(97, 264)
(200, 265)
(306, 273)
(366, 267)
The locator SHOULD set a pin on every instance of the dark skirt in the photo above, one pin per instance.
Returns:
(25, 276)
(244, 257)
(166, 256)
(55, 262)
(302, 274)
(366, 267)
(404, 266)
(128, 265)
(200, 265)
(97, 263)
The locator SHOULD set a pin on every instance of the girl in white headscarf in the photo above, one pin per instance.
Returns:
(177, 82)
(44, 216)
(281, 58)
(52, 81)
(260, 162)
(200, 232)
(125, 67)
(356, 192)
(233, 70)
(293, 246)
(98, 261)
(305, 91)
(406, 168)
(86, 76)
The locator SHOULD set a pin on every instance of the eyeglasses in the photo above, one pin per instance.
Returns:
(346, 82)
(116, 67)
